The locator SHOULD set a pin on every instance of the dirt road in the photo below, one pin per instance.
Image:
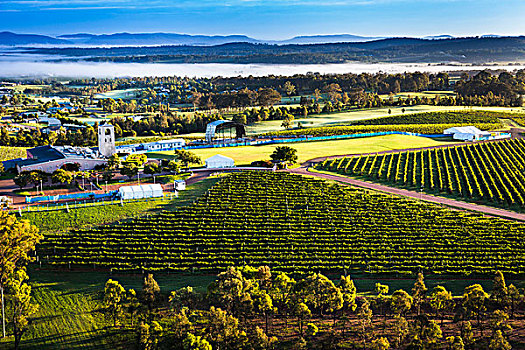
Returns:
(507, 214)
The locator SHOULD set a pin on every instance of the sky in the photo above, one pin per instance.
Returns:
(266, 19)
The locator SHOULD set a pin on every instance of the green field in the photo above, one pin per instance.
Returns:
(60, 220)
(361, 114)
(308, 150)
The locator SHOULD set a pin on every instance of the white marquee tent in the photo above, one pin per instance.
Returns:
(219, 161)
(140, 191)
(466, 133)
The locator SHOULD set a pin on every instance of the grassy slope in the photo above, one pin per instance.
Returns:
(89, 216)
(309, 150)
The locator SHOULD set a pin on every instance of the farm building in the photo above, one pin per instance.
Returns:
(140, 191)
(50, 158)
(219, 161)
(471, 133)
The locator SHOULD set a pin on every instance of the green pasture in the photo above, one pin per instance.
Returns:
(61, 220)
(308, 150)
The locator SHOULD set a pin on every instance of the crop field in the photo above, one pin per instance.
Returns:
(489, 172)
(449, 117)
(7, 153)
(308, 150)
(295, 223)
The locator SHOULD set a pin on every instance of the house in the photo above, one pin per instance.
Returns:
(471, 133)
(164, 145)
(219, 161)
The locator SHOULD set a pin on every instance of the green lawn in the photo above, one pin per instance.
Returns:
(309, 150)
(60, 220)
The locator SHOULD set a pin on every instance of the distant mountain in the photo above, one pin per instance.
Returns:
(13, 39)
(438, 37)
(152, 39)
(323, 39)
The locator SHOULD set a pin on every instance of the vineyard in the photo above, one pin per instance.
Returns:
(295, 223)
(451, 117)
(428, 129)
(489, 172)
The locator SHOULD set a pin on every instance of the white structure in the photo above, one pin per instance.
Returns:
(471, 133)
(219, 161)
(179, 185)
(164, 145)
(140, 191)
(106, 140)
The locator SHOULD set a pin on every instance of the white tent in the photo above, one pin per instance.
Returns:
(219, 161)
(125, 192)
(140, 191)
(466, 133)
(152, 190)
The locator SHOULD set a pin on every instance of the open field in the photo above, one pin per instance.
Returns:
(60, 220)
(308, 150)
(361, 114)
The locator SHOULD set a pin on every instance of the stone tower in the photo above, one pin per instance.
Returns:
(106, 140)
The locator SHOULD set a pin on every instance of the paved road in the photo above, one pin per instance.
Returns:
(425, 197)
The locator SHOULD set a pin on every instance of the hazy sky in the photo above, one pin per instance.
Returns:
(266, 19)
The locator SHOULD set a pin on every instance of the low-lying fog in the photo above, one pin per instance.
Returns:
(22, 66)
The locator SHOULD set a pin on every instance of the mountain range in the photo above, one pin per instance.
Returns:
(157, 39)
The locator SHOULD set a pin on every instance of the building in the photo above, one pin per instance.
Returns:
(218, 128)
(106, 140)
(219, 161)
(471, 133)
(163, 145)
(50, 158)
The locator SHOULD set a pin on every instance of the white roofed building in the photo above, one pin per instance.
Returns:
(219, 161)
(471, 133)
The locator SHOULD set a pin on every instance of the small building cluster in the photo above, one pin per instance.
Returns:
(471, 133)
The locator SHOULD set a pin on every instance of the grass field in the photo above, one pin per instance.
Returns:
(309, 150)
(60, 220)
(349, 116)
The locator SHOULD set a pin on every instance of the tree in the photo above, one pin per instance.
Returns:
(114, 161)
(17, 239)
(182, 298)
(440, 300)
(302, 312)
(20, 301)
(193, 342)
(424, 332)
(132, 304)
(150, 290)
(466, 333)
(400, 329)
(311, 329)
(268, 97)
(498, 342)
(187, 157)
(21, 180)
(500, 294)
(173, 166)
(474, 301)
(223, 329)
(382, 299)
(333, 91)
(455, 343)
(289, 88)
(349, 291)
(401, 302)
(263, 304)
(418, 292)
(281, 292)
(499, 320)
(130, 170)
(515, 296)
(152, 168)
(61, 176)
(320, 293)
(284, 154)
(113, 295)
(364, 316)
(380, 344)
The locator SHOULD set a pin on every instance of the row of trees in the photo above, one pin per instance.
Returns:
(249, 308)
